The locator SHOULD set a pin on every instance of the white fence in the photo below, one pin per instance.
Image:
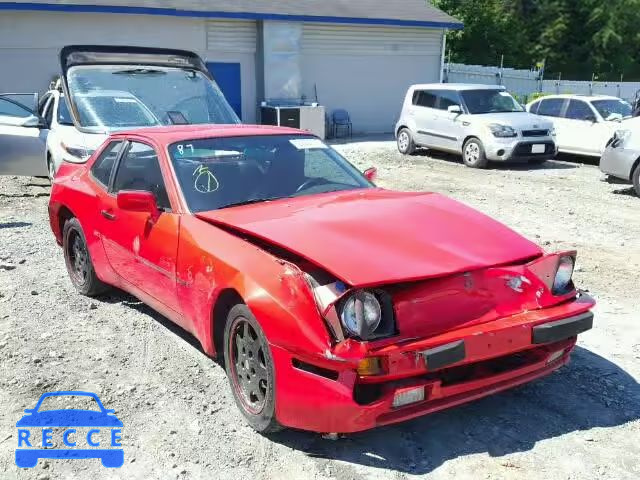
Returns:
(523, 83)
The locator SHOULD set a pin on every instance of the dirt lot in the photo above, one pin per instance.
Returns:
(180, 421)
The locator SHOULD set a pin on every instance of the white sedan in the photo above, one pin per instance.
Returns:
(584, 124)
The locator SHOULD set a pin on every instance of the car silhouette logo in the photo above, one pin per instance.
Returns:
(102, 427)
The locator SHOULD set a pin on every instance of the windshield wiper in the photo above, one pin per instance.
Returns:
(250, 201)
(140, 71)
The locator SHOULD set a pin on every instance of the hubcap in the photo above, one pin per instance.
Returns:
(472, 152)
(78, 257)
(249, 366)
(403, 141)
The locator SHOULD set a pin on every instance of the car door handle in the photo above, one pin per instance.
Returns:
(108, 215)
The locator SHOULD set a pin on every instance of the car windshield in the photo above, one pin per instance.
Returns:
(219, 173)
(113, 97)
(489, 101)
(613, 108)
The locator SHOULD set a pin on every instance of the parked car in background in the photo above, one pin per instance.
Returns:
(337, 306)
(583, 123)
(481, 122)
(621, 157)
(102, 90)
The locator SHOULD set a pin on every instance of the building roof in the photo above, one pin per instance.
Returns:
(373, 12)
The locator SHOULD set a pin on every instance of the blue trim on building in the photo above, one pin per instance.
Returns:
(171, 12)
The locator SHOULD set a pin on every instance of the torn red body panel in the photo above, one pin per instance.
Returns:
(463, 306)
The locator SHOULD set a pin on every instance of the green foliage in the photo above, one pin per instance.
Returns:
(576, 38)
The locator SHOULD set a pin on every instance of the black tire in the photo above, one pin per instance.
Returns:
(78, 260)
(473, 154)
(635, 179)
(50, 169)
(405, 142)
(250, 370)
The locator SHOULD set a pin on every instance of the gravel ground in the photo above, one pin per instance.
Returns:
(180, 421)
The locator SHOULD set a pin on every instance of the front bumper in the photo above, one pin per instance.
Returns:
(494, 356)
(618, 162)
(519, 149)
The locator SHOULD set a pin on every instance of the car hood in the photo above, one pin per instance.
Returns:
(71, 136)
(374, 236)
(69, 418)
(517, 120)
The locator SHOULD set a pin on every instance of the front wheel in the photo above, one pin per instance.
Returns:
(473, 154)
(635, 178)
(250, 369)
(406, 144)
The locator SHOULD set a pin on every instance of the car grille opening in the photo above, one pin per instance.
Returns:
(535, 133)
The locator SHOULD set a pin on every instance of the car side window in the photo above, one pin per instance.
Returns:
(424, 98)
(534, 107)
(448, 98)
(139, 169)
(551, 107)
(11, 109)
(579, 110)
(101, 169)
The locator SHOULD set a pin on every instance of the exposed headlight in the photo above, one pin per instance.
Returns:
(361, 314)
(502, 131)
(562, 283)
(552, 131)
(77, 151)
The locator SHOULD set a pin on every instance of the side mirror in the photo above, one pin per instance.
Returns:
(592, 119)
(371, 174)
(138, 201)
(454, 109)
(35, 121)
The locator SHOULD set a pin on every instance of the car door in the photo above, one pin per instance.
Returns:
(23, 136)
(448, 128)
(140, 249)
(422, 111)
(583, 132)
(553, 108)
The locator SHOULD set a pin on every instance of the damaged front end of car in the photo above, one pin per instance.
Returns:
(404, 350)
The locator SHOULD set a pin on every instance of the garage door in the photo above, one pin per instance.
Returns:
(367, 69)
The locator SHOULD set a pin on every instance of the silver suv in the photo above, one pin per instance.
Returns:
(482, 122)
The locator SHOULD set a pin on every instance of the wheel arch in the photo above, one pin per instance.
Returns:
(226, 300)
(634, 167)
(64, 214)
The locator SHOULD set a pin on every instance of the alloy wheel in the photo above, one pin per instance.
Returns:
(249, 366)
(472, 152)
(403, 141)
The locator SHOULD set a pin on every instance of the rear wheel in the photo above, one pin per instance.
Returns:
(473, 154)
(406, 144)
(78, 260)
(635, 178)
(250, 369)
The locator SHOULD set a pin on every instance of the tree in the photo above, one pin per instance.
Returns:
(577, 38)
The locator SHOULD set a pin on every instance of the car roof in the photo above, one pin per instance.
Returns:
(458, 86)
(175, 133)
(580, 96)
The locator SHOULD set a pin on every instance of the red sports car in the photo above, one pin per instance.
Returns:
(336, 306)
